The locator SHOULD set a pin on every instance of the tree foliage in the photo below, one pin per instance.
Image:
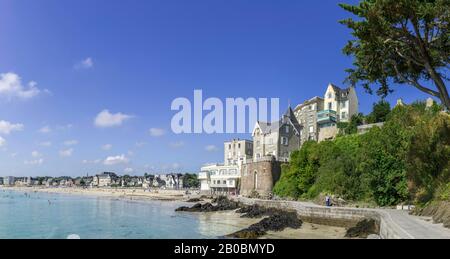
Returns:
(407, 159)
(379, 113)
(400, 41)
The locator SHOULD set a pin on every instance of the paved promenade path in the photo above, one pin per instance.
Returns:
(417, 227)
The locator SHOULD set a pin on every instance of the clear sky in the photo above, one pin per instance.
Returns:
(63, 63)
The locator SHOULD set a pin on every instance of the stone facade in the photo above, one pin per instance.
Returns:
(277, 139)
(306, 114)
(260, 176)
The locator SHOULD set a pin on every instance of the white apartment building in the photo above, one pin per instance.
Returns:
(220, 179)
(339, 106)
(237, 151)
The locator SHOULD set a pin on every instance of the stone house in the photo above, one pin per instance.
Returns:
(306, 114)
(277, 139)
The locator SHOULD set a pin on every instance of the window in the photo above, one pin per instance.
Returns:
(284, 141)
(311, 129)
(330, 106)
(229, 146)
(344, 115)
(330, 95)
(344, 103)
(287, 129)
(239, 145)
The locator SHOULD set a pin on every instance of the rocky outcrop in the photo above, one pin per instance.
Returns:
(276, 222)
(256, 211)
(222, 204)
(438, 210)
(363, 229)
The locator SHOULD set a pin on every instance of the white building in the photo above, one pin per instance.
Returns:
(220, 179)
(8, 181)
(339, 106)
(238, 151)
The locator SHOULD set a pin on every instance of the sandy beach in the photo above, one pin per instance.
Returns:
(123, 193)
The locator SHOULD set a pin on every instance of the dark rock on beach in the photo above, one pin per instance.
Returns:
(275, 222)
(363, 229)
(222, 204)
(256, 211)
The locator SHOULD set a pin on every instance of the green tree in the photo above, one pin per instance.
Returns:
(400, 41)
(191, 181)
(380, 112)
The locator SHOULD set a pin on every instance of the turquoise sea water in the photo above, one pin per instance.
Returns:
(42, 215)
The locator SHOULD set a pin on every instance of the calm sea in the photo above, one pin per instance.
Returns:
(42, 215)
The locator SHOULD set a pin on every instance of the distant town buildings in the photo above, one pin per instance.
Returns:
(8, 181)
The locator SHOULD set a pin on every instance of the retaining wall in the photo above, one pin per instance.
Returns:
(343, 217)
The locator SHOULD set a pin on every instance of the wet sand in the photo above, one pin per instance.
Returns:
(228, 222)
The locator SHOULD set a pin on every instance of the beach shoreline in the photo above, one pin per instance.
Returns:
(119, 193)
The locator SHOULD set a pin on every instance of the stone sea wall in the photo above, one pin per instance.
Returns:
(343, 217)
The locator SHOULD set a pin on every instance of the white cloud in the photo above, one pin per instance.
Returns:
(35, 162)
(66, 153)
(36, 154)
(86, 63)
(106, 119)
(114, 160)
(45, 144)
(7, 127)
(177, 144)
(45, 130)
(107, 147)
(2, 141)
(211, 148)
(156, 132)
(70, 142)
(128, 170)
(11, 86)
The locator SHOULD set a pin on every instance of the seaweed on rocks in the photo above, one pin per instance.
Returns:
(256, 211)
(222, 204)
(276, 222)
(363, 229)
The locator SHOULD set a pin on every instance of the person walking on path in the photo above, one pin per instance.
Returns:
(328, 201)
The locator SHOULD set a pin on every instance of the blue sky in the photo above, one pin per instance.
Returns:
(130, 59)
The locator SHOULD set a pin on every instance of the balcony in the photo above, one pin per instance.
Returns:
(326, 116)
(203, 176)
